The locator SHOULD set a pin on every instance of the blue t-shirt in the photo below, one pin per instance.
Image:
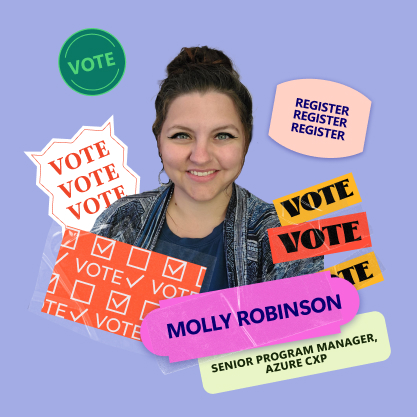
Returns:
(207, 251)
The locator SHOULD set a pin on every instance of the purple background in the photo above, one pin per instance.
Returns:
(48, 370)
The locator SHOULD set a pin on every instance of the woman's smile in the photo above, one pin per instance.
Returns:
(202, 176)
(202, 173)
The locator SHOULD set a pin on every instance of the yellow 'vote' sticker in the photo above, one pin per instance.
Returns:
(362, 271)
(317, 200)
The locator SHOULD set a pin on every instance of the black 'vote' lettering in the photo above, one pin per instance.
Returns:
(290, 246)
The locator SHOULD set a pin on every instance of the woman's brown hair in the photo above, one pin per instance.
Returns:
(202, 69)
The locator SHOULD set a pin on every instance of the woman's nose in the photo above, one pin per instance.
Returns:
(201, 152)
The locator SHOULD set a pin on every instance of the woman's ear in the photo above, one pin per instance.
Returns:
(158, 142)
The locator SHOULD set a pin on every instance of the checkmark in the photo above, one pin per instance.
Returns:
(132, 285)
(121, 302)
(174, 272)
(105, 248)
(54, 278)
(116, 307)
(61, 258)
(172, 268)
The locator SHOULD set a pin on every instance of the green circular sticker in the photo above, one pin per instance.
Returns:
(92, 62)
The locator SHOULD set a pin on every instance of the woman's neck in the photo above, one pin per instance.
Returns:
(196, 219)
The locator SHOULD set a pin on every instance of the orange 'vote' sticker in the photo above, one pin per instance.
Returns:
(319, 237)
(111, 285)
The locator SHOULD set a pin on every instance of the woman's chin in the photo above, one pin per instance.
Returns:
(202, 196)
(203, 193)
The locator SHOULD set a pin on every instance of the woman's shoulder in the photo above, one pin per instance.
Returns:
(132, 205)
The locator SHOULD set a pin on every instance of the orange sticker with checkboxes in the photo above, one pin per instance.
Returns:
(111, 285)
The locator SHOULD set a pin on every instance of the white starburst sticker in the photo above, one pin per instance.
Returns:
(84, 175)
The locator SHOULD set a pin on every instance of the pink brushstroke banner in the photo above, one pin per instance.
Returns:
(256, 315)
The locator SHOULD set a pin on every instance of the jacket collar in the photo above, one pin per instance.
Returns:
(154, 220)
(235, 238)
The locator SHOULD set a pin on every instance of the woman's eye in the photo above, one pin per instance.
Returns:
(223, 136)
(179, 136)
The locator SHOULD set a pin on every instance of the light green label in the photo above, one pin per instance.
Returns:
(361, 341)
(92, 62)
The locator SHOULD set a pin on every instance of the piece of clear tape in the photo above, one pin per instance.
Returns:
(167, 367)
(356, 208)
(359, 252)
(49, 256)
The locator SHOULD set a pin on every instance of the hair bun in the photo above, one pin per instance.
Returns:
(198, 57)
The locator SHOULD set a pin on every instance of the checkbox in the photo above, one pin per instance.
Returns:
(139, 258)
(83, 290)
(200, 276)
(148, 306)
(118, 302)
(103, 248)
(54, 281)
(174, 269)
(70, 238)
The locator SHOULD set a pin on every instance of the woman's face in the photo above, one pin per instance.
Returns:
(202, 144)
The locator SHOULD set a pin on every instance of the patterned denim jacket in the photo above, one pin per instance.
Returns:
(138, 219)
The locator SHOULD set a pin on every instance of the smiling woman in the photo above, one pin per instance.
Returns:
(203, 129)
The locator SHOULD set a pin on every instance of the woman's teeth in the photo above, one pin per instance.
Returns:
(201, 174)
